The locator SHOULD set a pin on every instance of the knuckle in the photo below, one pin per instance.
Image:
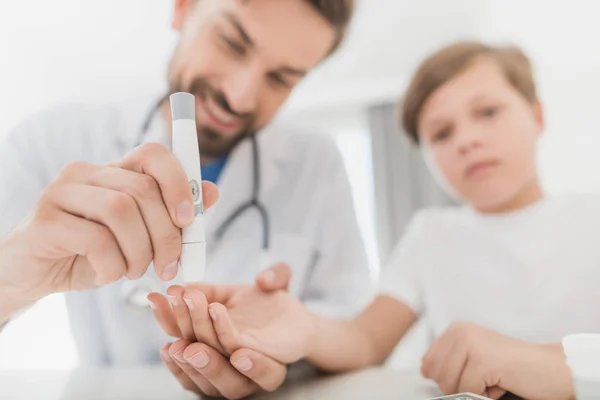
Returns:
(171, 239)
(73, 168)
(139, 262)
(47, 196)
(103, 240)
(145, 186)
(121, 204)
(149, 150)
(138, 269)
(113, 275)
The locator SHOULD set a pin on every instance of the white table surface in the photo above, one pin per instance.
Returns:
(157, 383)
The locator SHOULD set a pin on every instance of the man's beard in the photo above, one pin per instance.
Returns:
(211, 142)
(213, 145)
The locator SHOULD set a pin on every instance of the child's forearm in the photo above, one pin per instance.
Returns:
(364, 341)
(540, 373)
(554, 373)
(340, 346)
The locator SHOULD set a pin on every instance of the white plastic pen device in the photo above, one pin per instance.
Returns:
(185, 148)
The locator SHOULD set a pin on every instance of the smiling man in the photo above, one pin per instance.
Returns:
(281, 190)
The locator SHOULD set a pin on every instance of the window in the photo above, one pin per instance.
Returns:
(355, 146)
(349, 127)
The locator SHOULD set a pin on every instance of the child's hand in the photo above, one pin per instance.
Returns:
(470, 358)
(186, 313)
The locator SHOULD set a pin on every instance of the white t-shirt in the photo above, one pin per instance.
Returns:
(533, 274)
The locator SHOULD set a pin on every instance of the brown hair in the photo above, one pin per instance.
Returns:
(450, 61)
(338, 13)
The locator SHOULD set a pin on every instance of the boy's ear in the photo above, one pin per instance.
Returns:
(180, 12)
(538, 113)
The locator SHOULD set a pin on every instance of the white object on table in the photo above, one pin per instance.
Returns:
(157, 383)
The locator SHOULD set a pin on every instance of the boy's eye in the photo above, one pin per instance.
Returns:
(489, 112)
(441, 135)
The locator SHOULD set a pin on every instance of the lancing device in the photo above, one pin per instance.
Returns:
(185, 148)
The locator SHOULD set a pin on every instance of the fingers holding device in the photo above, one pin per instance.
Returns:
(96, 224)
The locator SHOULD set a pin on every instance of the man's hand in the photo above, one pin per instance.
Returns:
(469, 358)
(96, 224)
(201, 369)
(199, 362)
(230, 317)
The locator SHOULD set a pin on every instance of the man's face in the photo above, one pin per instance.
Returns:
(241, 59)
(482, 134)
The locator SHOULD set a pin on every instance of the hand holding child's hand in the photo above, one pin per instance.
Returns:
(259, 317)
(198, 360)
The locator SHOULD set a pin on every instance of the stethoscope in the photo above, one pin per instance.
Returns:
(135, 292)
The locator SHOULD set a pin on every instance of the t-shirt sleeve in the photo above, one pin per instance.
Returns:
(400, 278)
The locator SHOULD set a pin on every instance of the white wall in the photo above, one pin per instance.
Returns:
(562, 39)
(63, 50)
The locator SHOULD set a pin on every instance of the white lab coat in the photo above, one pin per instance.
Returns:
(304, 188)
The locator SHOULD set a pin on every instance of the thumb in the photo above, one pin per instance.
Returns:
(276, 277)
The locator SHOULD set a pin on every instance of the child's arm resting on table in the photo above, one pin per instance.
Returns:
(366, 340)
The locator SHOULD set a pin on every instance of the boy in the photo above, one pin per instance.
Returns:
(497, 281)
